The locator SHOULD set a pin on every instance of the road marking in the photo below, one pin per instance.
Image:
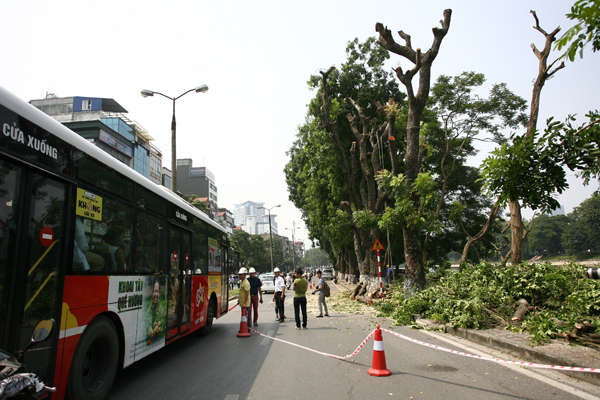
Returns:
(267, 340)
(546, 376)
(232, 397)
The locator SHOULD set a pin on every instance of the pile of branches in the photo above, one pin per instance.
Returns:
(583, 333)
(548, 299)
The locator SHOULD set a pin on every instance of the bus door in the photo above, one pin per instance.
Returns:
(179, 283)
(32, 238)
(225, 273)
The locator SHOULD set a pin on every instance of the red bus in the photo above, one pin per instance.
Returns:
(124, 266)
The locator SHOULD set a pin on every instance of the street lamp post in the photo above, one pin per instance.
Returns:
(303, 252)
(149, 93)
(293, 243)
(270, 231)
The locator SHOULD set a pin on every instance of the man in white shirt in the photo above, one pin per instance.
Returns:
(279, 295)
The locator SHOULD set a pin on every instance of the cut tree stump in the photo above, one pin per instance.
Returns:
(355, 291)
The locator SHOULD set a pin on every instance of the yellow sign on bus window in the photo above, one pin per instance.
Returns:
(88, 205)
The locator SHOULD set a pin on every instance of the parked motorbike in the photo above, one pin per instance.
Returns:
(335, 279)
(16, 382)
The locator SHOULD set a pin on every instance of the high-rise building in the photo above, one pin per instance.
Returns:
(196, 180)
(252, 219)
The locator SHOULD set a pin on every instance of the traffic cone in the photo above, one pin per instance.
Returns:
(244, 325)
(379, 368)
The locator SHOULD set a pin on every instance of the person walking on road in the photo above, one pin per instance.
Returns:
(300, 287)
(321, 290)
(279, 296)
(244, 296)
(255, 292)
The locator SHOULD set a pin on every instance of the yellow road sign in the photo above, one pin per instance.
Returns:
(377, 245)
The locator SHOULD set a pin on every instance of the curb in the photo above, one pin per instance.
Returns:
(523, 352)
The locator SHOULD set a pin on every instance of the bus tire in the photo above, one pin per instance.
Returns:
(210, 314)
(95, 361)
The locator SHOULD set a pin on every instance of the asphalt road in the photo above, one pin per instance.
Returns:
(223, 366)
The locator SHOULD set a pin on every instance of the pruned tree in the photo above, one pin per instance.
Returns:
(360, 170)
(331, 174)
(417, 100)
(530, 171)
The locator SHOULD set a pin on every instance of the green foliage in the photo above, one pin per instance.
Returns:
(587, 29)
(546, 234)
(416, 216)
(483, 295)
(523, 171)
(254, 251)
(531, 170)
(583, 232)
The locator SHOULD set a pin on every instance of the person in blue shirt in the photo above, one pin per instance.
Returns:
(321, 291)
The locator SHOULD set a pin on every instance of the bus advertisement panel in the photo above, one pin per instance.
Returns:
(199, 303)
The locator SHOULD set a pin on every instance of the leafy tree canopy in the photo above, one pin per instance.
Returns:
(586, 30)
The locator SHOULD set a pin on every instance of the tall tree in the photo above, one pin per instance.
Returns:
(466, 117)
(417, 100)
(347, 109)
(531, 170)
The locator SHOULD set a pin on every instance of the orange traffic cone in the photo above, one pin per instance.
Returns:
(379, 368)
(244, 325)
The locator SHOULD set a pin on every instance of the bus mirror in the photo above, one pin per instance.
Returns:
(42, 330)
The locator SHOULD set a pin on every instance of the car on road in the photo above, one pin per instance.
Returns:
(267, 282)
(328, 273)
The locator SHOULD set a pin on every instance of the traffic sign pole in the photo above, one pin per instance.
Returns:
(376, 247)
(380, 284)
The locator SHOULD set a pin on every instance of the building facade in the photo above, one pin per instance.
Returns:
(196, 180)
(102, 122)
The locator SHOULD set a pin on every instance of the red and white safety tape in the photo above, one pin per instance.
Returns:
(520, 363)
(359, 348)
(236, 304)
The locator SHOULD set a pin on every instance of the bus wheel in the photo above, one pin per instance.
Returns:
(205, 330)
(95, 362)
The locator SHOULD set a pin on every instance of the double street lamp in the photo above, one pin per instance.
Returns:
(149, 93)
(270, 231)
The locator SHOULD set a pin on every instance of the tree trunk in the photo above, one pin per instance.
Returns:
(516, 232)
(415, 275)
(479, 236)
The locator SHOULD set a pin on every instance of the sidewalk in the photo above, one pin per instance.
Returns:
(519, 345)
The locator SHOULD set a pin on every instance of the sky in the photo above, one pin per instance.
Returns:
(256, 57)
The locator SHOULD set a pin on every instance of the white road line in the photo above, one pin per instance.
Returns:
(546, 376)
(232, 397)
